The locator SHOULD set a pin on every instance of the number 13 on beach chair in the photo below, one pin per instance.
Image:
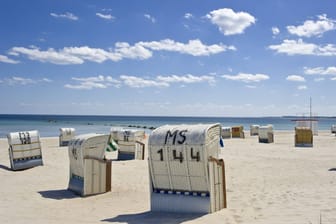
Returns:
(186, 174)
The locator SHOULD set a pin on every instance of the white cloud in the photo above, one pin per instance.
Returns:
(230, 22)
(95, 82)
(186, 79)
(102, 82)
(275, 30)
(247, 78)
(46, 80)
(17, 80)
(150, 18)
(67, 15)
(293, 47)
(193, 47)
(313, 28)
(105, 16)
(137, 51)
(50, 55)
(302, 87)
(122, 50)
(295, 78)
(320, 71)
(251, 86)
(319, 79)
(333, 79)
(5, 59)
(188, 16)
(137, 82)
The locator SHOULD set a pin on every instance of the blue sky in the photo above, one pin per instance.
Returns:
(180, 58)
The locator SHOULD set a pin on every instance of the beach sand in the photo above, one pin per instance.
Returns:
(266, 183)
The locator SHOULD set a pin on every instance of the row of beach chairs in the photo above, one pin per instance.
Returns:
(303, 135)
(186, 173)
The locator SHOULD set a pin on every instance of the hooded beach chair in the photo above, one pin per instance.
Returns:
(254, 129)
(24, 149)
(66, 134)
(303, 137)
(186, 174)
(130, 144)
(226, 132)
(266, 134)
(238, 132)
(90, 171)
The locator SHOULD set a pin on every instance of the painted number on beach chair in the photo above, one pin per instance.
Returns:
(180, 157)
(178, 138)
(24, 138)
(197, 156)
(161, 154)
(74, 153)
(126, 136)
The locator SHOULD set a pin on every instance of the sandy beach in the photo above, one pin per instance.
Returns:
(266, 183)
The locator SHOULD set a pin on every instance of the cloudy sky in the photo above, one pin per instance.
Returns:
(190, 58)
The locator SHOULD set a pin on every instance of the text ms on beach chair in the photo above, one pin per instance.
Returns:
(90, 171)
(130, 144)
(186, 174)
(66, 134)
(24, 149)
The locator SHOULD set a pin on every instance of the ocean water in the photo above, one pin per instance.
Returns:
(49, 125)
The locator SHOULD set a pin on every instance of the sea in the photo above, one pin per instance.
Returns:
(49, 125)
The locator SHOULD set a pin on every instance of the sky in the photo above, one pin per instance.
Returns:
(226, 58)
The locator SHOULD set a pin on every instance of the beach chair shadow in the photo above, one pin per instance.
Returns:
(154, 218)
(58, 194)
(5, 167)
(332, 169)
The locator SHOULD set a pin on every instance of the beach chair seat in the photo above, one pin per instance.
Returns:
(66, 134)
(303, 137)
(226, 132)
(254, 129)
(238, 132)
(130, 144)
(266, 134)
(186, 174)
(90, 171)
(24, 149)
(333, 129)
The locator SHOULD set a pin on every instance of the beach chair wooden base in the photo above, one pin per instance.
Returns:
(63, 143)
(179, 202)
(304, 145)
(97, 178)
(26, 164)
(125, 155)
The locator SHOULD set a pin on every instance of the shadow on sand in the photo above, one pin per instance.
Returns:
(5, 167)
(332, 169)
(58, 194)
(153, 218)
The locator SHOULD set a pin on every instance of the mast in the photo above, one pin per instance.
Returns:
(310, 113)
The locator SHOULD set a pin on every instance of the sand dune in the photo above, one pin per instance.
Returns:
(266, 183)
